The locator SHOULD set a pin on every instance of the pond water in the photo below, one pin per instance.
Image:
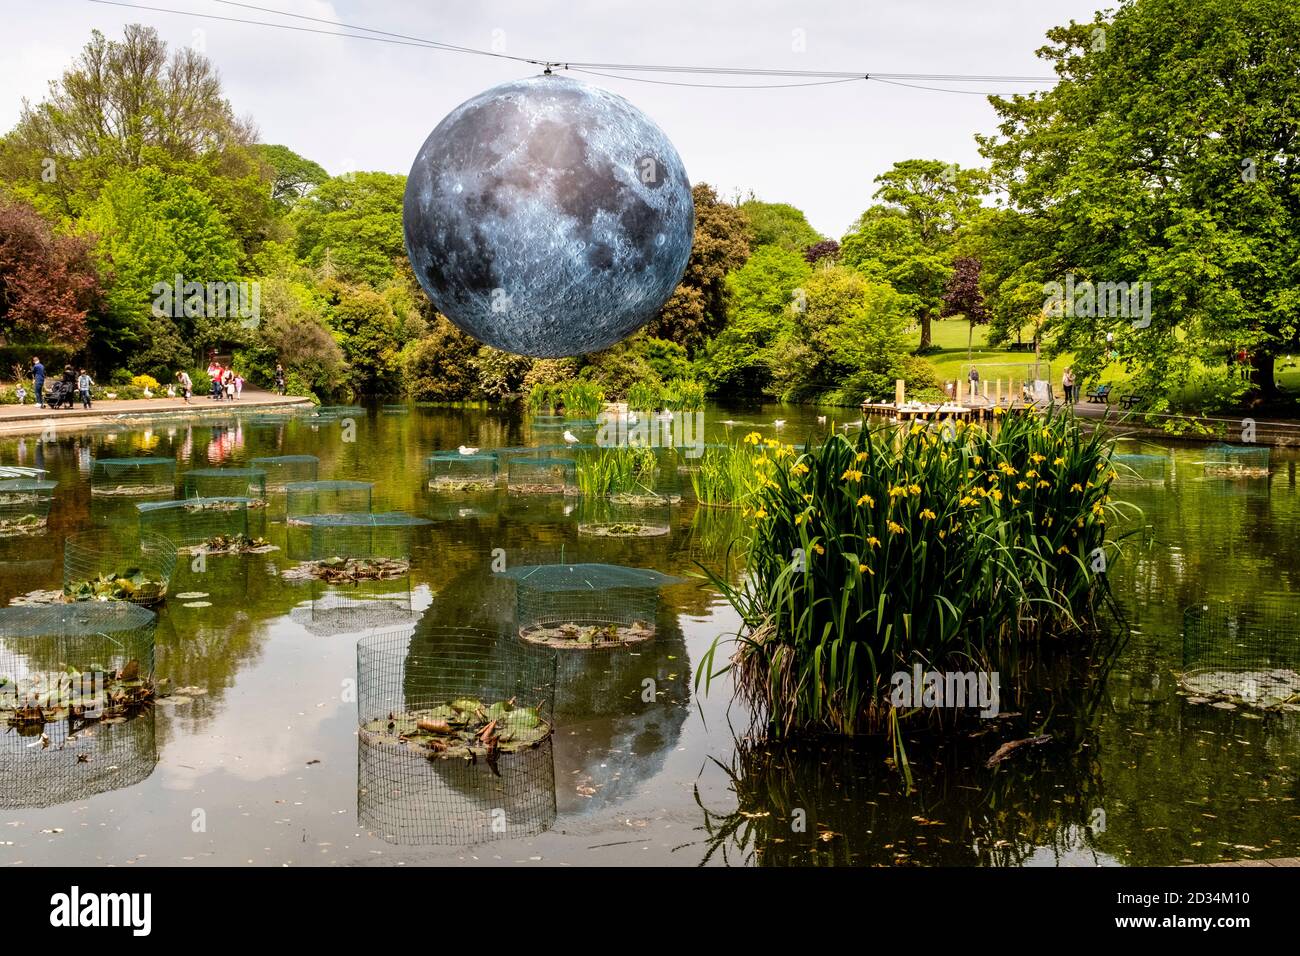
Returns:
(258, 761)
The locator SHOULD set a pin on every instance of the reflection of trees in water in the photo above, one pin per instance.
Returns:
(407, 799)
(846, 802)
(83, 758)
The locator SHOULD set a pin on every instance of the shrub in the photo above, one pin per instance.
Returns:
(916, 546)
(145, 381)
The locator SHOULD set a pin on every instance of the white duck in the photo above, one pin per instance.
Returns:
(821, 419)
(570, 438)
(466, 450)
(147, 392)
(779, 422)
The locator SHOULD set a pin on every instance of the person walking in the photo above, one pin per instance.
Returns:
(279, 378)
(83, 387)
(69, 384)
(239, 385)
(974, 378)
(228, 383)
(38, 382)
(1067, 386)
(186, 384)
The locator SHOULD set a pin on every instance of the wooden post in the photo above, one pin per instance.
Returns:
(997, 391)
(956, 392)
(900, 389)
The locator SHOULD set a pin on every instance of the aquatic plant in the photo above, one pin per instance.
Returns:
(683, 395)
(724, 477)
(582, 399)
(623, 469)
(910, 543)
(644, 397)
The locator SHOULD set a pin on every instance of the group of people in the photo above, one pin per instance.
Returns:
(226, 382)
(72, 386)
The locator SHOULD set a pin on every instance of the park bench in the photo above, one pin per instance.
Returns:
(1132, 399)
(1100, 395)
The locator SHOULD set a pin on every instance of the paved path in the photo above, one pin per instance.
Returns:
(16, 419)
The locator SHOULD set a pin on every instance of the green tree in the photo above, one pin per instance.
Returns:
(908, 239)
(1167, 153)
(153, 228)
(370, 335)
(697, 309)
(778, 224)
(353, 223)
(292, 176)
(764, 293)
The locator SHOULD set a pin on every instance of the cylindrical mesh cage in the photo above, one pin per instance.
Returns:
(379, 535)
(327, 497)
(249, 483)
(454, 737)
(628, 475)
(395, 409)
(606, 518)
(195, 521)
(548, 422)
(1236, 460)
(542, 476)
(1140, 468)
(689, 459)
(133, 477)
(586, 606)
(75, 765)
(100, 566)
(83, 661)
(452, 471)
(283, 469)
(1247, 655)
(25, 505)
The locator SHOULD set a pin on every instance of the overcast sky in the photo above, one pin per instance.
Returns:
(353, 104)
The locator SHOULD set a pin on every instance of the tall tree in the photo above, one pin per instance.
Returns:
(1168, 152)
(907, 240)
(48, 282)
(963, 297)
(779, 224)
(697, 309)
(293, 176)
(355, 223)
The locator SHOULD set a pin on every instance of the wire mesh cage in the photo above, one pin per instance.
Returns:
(395, 409)
(195, 521)
(1243, 655)
(586, 606)
(384, 535)
(542, 476)
(454, 472)
(327, 497)
(642, 518)
(25, 505)
(99, 566)
(1233, 461)
(247, 483)
(133, 477)
(628, 474)
(474, 709)
(72, 764)
(1141, 467)
(283, 469)
(354, 607)
(84, 661)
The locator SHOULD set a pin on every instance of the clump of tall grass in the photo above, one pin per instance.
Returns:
(683, 395)
(582, 399)
(543, 398)
(910, 544)
(620, 470)
(644, 397)
(725, 477)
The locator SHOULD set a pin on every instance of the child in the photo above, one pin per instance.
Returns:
(21, 394)
(239, 385)
(83, 386)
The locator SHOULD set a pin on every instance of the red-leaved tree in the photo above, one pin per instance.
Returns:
(48, 282)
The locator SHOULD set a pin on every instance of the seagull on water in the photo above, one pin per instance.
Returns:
(779, 422)
(821, 419)
(570, 438)
(466, 450)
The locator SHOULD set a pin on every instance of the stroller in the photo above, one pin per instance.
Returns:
(61, 394)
